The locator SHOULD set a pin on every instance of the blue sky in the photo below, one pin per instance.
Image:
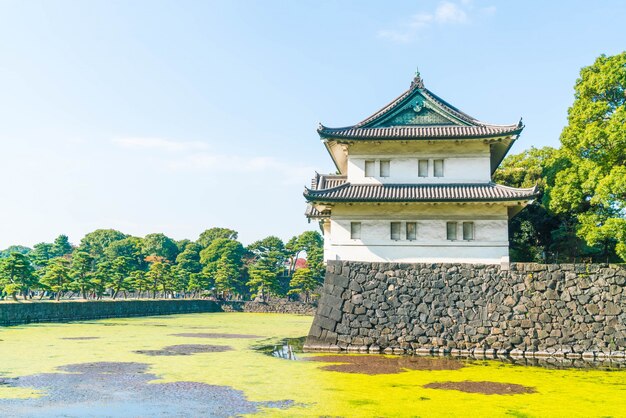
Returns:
(176, 116)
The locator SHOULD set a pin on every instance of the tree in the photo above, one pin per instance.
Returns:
(160, 245)
(210, 235)
(96, 242)
(16, 275)
(159, 275)
(188, 269)
(57, 276)
(119, 275)
(15, 249)
(82, 271)
(593, 185)
(267, 264)
(61, 246)
(225, 254)
(311, 243)
(41, 254)
(139, 281)
(536, 233)
(227, 275)
(303, 281)
(130, 248)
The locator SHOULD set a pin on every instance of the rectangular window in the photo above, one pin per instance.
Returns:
(395, 231)
(370, 168)
(355, 230)
(423, 168)
(438, 168)
(468, 231)
(411, 231)
(384, 168)
(451, 231)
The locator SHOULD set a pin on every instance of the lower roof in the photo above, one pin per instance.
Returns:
(478, 192)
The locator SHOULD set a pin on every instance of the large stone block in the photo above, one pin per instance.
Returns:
(529, 307)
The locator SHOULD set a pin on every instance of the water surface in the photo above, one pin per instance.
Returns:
(212, 364)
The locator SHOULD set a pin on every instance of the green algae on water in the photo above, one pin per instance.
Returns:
(272, 386)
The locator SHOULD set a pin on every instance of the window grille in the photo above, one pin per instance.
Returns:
(438, 165)
(385, 168)
(451, 230)
(423, 168)
(411, 231)
(395, 231)
(468, 231)
(355, 230)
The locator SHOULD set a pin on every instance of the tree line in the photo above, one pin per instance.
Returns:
(109, 263)
(581, 212)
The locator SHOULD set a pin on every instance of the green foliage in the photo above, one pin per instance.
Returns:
(16, 275)
(160, 245)
(311, 243)
(188, 269)
(57, 276)
(222, 263)
(61, 246)
(119, 278)
(538, 233)
(303, 281)
(159, 277)
(96, 242)
(269, 257)
(82, 271)
(593, 185)
(131, 248)
(41, 254)
(109, 263)
(227, 274)
(15, 249)
(527, 169)
(210, 235)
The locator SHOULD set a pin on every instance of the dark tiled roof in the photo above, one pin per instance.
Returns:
(461, 124)
(312, 212)
(417, 132)
(481, 192)
(327, 181)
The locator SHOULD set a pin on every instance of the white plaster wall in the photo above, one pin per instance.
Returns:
(490, 242)
(464, 161)
(486, 254)
(405, 170)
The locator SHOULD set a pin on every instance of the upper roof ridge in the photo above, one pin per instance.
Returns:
(423, 98)
(417, 82)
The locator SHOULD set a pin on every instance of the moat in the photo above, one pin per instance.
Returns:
(217, 364)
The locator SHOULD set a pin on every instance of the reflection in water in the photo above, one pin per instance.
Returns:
(285, 349)
(291, 348)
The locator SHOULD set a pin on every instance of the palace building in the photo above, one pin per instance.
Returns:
(414, 185)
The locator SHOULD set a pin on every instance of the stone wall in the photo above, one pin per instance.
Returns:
(543, 310)
(278, 306)
(27, 312)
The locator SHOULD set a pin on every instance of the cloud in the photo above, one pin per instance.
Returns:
(291, 172)
(185, 156)
(148, 143)
(446, 13)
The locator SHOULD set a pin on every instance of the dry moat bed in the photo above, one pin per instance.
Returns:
(217, 364)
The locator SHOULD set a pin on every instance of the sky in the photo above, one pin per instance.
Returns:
(177, 116)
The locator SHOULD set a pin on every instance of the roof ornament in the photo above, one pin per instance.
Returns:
(417, 80)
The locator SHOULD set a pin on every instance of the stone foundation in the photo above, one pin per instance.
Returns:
(15, 313)
(531, 310)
